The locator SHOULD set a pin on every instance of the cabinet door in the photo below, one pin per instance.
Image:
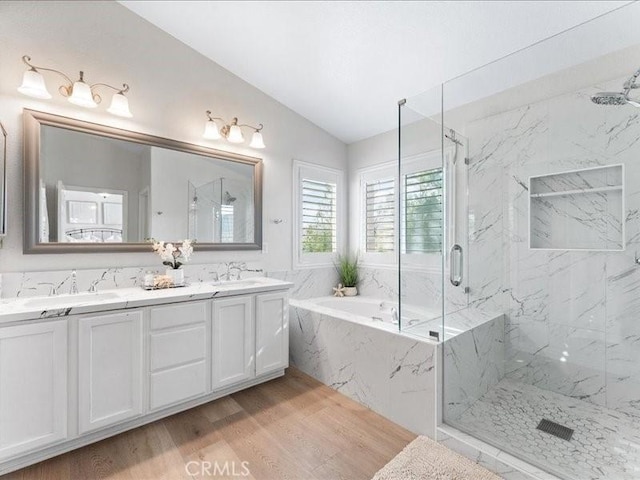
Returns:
(33, 386)
(110, 369)
(232, 341)
(272, 332)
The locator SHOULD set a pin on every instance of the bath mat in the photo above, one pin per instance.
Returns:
(426, 459)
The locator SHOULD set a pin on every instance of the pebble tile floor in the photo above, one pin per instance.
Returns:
(605, 443)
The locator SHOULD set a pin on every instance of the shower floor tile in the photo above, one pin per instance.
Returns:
(605, 443)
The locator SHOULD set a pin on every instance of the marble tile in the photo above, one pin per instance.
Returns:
(602, 446)
(390, 373)
(473, 364)
(310, 282)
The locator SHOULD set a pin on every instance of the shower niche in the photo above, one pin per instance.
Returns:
(578, 210)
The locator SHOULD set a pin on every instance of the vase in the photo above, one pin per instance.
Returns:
(350, 291)
(176, 275)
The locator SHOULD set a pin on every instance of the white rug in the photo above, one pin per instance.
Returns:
(426, 459)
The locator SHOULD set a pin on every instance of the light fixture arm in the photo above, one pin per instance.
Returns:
(213, 118)
(124, 89)
(26, 59)
(257, 129)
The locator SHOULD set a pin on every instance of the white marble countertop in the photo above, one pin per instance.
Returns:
(32, 308)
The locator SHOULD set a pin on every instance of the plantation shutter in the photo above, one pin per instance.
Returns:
(318, 216)
(423, 211)
(380, 214)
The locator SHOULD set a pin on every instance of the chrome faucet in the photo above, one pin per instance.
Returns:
(93, 288)
(73, 290)
(53, 290)
(394, 315)
(239, 267)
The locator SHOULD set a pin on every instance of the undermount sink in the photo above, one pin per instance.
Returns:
(70, 300)
(249, 282)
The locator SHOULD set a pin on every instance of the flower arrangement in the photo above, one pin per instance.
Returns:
(172, 256)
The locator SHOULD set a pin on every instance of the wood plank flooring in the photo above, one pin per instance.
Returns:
(290, 428)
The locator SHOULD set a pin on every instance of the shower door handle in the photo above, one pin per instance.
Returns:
(455, 265)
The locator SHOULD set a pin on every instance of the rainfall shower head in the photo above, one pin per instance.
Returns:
(618, 98)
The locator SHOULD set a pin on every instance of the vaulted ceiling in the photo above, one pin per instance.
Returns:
(344, 65)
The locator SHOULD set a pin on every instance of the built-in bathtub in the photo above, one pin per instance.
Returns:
(354, 344)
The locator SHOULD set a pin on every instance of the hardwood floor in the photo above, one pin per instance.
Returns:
(290, 428)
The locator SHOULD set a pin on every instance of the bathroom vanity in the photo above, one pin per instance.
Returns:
(75, 369)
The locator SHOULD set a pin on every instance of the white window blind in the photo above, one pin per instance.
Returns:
(423, 208)
(319, 215)
(380, 212)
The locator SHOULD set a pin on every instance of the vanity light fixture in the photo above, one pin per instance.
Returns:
(79, 92)
(231, 131)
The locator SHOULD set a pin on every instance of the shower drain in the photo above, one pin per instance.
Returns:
(555, 429)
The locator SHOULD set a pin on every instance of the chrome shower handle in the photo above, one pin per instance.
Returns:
(455, 274)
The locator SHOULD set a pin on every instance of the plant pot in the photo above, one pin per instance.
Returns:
(176, 275)
(350, 291)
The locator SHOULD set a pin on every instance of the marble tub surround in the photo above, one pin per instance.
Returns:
(28, 308)
(392, 374)
(37, 283)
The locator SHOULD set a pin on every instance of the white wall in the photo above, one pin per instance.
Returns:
(171, 87)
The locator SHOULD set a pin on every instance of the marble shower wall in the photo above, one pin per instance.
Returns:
(422, 288)
(572, 322)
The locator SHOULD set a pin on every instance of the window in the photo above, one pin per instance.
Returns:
(318, 216)
(423, 211)
(420, 213)
(380, 203)
(317, 202)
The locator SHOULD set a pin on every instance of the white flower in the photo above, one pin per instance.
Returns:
(167, 253)
(186, 250)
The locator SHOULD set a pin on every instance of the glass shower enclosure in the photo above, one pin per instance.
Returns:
(537, 296)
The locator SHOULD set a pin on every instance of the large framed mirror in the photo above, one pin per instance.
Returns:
(91, 188)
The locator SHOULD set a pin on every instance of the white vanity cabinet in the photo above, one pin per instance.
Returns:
(109, 369)
(179, 353)
(272, 332)
(33, 386)
(75, 379)
(233, 341)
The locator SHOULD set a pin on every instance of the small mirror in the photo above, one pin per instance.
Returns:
(3, 181)
(94, 188)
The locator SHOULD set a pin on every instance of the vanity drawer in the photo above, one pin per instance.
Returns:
(170, 316)
(176, 347)
(177, 384)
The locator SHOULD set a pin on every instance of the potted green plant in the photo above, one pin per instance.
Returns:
(348, 272)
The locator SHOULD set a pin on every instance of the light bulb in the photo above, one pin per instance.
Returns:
(211, 130)
(257, 141)
(120, 106)
(235, 134)
(33, 85)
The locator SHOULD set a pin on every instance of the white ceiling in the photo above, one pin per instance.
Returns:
(344, 65)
